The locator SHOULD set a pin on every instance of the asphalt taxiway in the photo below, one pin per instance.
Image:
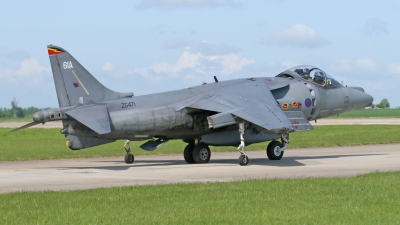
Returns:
(76, 174)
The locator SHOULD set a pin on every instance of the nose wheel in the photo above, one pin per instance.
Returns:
(275, 149)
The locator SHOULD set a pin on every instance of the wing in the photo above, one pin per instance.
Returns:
(251, 101)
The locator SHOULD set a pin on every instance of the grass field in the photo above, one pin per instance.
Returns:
(25, 119)
(366, 199)
(37, 143)
(370, 113)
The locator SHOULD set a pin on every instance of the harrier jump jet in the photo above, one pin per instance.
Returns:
(226, 113)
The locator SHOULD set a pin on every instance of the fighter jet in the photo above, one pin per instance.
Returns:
(222, 113)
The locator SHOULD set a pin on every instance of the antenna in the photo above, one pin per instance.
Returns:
(215, 78)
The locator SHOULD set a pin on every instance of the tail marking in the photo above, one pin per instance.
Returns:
(54, 51)
(80, 82)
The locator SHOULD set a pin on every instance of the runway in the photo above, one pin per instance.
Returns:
(76, 174)
(362, 121)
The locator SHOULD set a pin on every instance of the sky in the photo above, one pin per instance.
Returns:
(150, 46)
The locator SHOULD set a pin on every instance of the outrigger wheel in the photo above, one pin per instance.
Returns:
(129, 158)
(243, 160)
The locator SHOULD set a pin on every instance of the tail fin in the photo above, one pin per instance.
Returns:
(74, 84)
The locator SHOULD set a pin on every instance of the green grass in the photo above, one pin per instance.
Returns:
(24, 119)
(370, 113)
(38, 143)
(366, 199)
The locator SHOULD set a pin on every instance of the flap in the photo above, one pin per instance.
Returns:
(222, 119)
(94, 116)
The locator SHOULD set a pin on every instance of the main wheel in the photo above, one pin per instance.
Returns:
(188, 154)
(243, 160)
(274, 151)
(201, 153)
(129, 158)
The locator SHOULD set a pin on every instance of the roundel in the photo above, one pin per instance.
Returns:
(307, 102)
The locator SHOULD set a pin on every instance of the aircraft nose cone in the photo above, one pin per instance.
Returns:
(38, 117)
(361, 99)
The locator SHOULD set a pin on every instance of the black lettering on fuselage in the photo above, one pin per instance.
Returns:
(128, 104)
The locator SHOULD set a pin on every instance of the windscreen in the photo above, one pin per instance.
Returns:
(315, 75)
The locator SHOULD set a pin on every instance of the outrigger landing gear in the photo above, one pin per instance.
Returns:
(243, 159)
(129, 157)
(275, 149)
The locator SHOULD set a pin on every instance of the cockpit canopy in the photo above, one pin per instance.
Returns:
(315, 75)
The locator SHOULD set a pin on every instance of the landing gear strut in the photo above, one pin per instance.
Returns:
(129, 157)
(275, 149)
(243, 159)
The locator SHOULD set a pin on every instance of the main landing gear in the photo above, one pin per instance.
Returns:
(129, 157)
(197, 153)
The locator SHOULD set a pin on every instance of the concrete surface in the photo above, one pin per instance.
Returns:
(75, 174)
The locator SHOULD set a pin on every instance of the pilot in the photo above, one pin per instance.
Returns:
(306, 74)
(319, 79)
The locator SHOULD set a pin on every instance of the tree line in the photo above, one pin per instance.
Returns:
(384, 104)
(17, 112)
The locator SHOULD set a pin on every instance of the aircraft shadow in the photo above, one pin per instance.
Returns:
(284, 162)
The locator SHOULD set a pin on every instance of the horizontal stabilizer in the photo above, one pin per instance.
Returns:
(94, 117)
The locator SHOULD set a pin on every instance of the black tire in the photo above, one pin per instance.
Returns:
(201, 153)
(273, 150)
(129, 158)
(243, 160)
(188, 154)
